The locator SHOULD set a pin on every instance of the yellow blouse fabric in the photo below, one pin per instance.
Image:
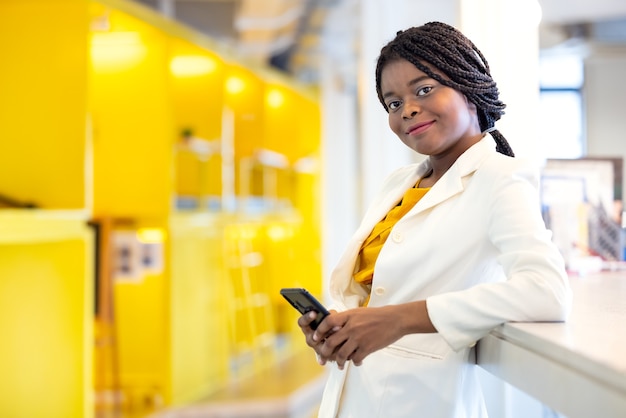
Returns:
(374, 243)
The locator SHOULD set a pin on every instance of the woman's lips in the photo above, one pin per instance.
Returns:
(419, 128)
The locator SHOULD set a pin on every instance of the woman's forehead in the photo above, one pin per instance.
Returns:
(431, 69)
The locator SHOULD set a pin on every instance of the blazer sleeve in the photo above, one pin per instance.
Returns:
(536, 286)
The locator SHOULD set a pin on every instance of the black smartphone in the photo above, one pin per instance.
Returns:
(305, 302)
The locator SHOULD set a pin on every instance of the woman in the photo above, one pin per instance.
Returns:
(450, 248)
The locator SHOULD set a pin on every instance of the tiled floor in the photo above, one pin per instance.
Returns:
(292, 389)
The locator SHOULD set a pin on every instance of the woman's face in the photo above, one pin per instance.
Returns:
(429, 117)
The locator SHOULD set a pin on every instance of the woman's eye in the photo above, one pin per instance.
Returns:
(424, 90)
(394, 105)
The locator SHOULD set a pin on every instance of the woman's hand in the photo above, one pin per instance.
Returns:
(354, 334)
(305, 325)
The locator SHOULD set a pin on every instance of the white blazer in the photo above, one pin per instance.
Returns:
(475, 247)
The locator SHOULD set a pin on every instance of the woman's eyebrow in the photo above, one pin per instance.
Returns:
(418, 80)
(410, 83)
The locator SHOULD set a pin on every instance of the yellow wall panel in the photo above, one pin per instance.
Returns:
(142, 335)
(197, 89)
(244, 95)
(190, 173)
(282, 111)
(43, 81)
(132, 129)
(46, 308)
(199, 336)
(140, 81)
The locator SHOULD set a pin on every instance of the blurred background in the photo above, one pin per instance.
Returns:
(166, 166)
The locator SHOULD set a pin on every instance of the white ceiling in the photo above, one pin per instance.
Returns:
(576, 11)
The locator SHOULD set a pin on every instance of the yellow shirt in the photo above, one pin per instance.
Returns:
(374, 242)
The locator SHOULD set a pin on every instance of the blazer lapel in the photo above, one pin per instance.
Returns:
(449, 185)
(453, 181)
(341, 278)
(390, 199)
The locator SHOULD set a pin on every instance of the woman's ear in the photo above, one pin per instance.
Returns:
(470, 105)
(473, 109)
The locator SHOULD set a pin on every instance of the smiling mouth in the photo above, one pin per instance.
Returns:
(419, 128)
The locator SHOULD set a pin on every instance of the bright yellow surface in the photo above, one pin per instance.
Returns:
(142, 333)
(141, 325)
(250, 315)
(139, 81)
(293, 260)
(191, 173)
(20, 226)
(197, 88)
(133, 145)
(199, 330)
(292, 128)
(283, 109)
(43, 81)
(196, 83)
(244, 95)
(261, 256)
(133, 133)
(46, 311)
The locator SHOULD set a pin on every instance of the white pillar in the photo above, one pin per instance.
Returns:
(507, 33)
(339, 150)
(340, 181)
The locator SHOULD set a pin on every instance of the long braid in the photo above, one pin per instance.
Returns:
(452, 53)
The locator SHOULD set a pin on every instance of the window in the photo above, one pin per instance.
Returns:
(560, 105)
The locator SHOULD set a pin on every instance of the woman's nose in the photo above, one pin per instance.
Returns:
(410, 110)
(409, 114)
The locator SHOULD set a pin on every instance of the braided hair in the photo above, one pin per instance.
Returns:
(467, 70)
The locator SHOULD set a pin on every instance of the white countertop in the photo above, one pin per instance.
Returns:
(578, 367)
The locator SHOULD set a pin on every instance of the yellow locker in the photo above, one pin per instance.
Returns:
(46, 314)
